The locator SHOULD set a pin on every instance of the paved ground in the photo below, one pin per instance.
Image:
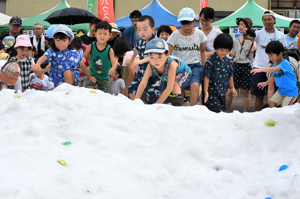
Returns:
(237, 103)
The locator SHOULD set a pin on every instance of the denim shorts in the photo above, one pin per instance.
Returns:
(197, 72)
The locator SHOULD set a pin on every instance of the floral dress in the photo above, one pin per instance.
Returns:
(62, 61)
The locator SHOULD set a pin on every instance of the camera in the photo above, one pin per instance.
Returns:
(251, 32)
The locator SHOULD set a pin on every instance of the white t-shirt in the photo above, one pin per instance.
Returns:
(40, 84)
(209, 43)
(261, 57)
(187, 47)
(17, 86)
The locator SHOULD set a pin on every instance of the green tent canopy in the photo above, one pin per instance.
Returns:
(253, 11)
(28, 23)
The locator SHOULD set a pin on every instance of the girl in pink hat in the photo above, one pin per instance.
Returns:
(22, 47)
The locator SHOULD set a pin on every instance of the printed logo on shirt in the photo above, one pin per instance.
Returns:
(99, 64)
(187, 48)
(278, 74)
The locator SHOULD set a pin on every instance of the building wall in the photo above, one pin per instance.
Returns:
(29, 8)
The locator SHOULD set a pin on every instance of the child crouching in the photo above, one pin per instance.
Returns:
(172, 71)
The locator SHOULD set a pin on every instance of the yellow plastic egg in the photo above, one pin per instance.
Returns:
(17, 96)
(93, 91)
(62, 162)
(270, 122)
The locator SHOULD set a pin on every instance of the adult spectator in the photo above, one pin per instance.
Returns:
(14, 25)
(115, 33)
(131, 32)
(263, 37)
(292, 36)
(88, 38)
(39, 41)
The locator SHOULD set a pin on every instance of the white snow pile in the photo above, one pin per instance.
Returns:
(125, 149)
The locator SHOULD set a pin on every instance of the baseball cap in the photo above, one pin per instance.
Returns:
(63, 29)
(23, 40)
(156, 45)
(186, 14)
(15, 21)
(269, 12)
(10, 72)
(114, 28)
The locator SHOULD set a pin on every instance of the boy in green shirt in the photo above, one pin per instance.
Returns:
(102, 58)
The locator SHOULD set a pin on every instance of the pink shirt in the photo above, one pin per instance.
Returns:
(128, 55)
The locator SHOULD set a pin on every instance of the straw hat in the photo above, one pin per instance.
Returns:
(115, 28)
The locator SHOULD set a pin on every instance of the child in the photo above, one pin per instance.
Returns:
(188, 43)
(285, 78)
(80, 48)
(22, 47)
(123, 48)
(243, 52)
(172, 71)
(145, 27)
(117, 84)
(102, 58)
(10, 75)
(40, 81)
(217, 73)
(164, 32)
(63, 59)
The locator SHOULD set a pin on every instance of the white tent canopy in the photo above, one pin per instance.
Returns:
(4, 19)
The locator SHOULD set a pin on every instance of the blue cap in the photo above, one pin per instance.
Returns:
(156, 45)
(186, 14)
(63, 29)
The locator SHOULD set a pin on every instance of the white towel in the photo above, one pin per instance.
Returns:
(265, 39)
(35, 43)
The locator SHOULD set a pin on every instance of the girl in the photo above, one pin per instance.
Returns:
(81, 48)
(117, 84)
(243, 50)
(63, 59)
(172, 71)
(164, 32)
(123, 48)
(207, 16)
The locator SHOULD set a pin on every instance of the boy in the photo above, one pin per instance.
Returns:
(10, 75)
(217, 73)
(172, 71)
(22, 47)
(188, 43)
(102, 58)
(285, 78)
(40, 81)
(145, 27)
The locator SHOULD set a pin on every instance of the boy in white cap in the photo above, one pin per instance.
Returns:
(22, 47)
(172, 71)
(188, 43)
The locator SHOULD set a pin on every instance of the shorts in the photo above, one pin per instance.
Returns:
(82, 80)
(284, 101)
(103, 84)
(183, 81)
(242, 75)
(216, 102)
(125, 73)
(152, 91)
(257, 78)
(197, 72)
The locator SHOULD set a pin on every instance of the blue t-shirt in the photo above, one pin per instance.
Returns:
(291, 43)
(285, 79)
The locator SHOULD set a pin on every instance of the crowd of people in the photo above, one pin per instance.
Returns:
(160, 66)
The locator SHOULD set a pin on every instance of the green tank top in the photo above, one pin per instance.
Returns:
(100, 62)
